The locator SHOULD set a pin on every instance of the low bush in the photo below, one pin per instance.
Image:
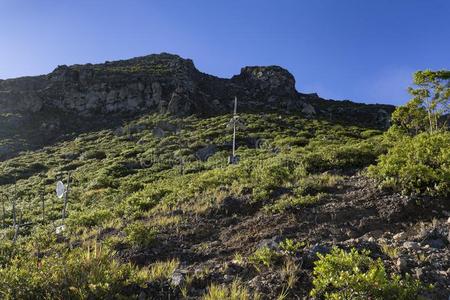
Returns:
(287, 202)
(343, 157)
(354, 275)
(417, 165)
(75, 275)
(291, 246)
(93, 154)
(89, 218)
(140, 235)
(236, 291)
(264, 256)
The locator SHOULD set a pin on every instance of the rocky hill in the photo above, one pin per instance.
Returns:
(35, 111)
(324, 203)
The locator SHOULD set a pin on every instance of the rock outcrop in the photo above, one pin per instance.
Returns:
(35, 111)
(162, 83)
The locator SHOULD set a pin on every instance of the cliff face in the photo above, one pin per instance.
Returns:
(158, 83)
(35, 111)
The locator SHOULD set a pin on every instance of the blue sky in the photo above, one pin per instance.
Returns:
(361, 50)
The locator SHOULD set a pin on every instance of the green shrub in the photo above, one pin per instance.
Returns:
(317, 183)
(417, 164)
(287, 202)
(264, 256)
(6, 252)
(143, 200)
(89, 218)
(342, 157)
(76, 275)
(354, 275)
(93, 154)
(291, 247)
(140, 234)
(271, 174)
(236, 291)
(102, 181)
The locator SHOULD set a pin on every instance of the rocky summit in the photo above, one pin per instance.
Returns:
(162, 83)
(35, 111)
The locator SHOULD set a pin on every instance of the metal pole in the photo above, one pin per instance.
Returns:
(16, 232)
(3, 211)
(234, 125)
(14, 210)
(65, 197)
(43, 206)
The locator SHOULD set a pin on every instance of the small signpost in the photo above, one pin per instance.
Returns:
(235, 122)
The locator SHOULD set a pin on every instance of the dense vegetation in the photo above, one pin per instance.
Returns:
(133, 188)
(418, 161)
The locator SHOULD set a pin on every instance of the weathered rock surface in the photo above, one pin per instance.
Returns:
(42, 109)
(162, 83)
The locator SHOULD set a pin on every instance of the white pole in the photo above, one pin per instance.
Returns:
(65, 197)
(234, 125)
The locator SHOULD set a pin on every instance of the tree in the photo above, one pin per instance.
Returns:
(411, 118)
(430, 105)
(431, 94)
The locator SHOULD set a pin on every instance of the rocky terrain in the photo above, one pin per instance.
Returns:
(35, 111)
(156, 212)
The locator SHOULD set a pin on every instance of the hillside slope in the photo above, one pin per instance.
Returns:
(155, 211)
(159, 190)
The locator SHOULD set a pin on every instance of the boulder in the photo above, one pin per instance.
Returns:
(204, 153)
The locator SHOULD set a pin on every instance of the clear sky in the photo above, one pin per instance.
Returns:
(363, 50)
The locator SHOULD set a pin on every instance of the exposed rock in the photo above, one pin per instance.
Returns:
(272, 243)
(162, 83)
(158, 132)
(159, 83)
(204, 153)
(411, 245)
(178, 278)
(231, 205)
(402, 265)
(419, 273)
(399, 236)
(437, 243)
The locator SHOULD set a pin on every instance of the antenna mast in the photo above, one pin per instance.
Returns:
(234, 125)
(234, 159)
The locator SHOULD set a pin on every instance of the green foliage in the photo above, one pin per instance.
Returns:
(162, 270)
(264, 256)
(93, 154)
(431, 101)
(234, 292)
(417, 164)
(287, 202)
(410, 118)
(140, 234)
(354, 275)
(75, 275)
(89, 218)
(117, 181)
(291, 246)
(341, 157)
(272, 174)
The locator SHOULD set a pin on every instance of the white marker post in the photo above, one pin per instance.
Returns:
(234, 159)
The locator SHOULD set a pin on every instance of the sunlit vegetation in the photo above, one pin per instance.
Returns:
(130, 188)
(355, 275)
